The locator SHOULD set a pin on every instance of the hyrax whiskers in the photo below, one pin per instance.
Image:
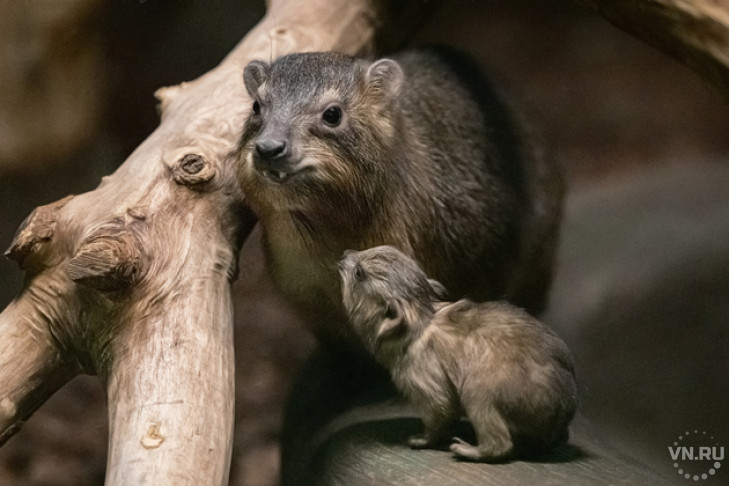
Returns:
(510, 374)
(417, 151)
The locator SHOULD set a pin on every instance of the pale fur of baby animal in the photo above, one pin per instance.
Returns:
(510, 374)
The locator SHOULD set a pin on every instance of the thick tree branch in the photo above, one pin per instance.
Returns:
(131, 281)
(695, 32)
(31, 366)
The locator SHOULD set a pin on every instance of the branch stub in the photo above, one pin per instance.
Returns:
(106, 263)
(193, 171)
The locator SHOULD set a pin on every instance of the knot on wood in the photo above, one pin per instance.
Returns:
(33, 233)
(108, 262)
(193, 171)
(153, 438)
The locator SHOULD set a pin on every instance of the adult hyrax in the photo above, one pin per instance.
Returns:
(511, 375)
(417, 151)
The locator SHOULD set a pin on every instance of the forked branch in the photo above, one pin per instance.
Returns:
(131, 281)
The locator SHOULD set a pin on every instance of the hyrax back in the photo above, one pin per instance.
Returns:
(417, 151)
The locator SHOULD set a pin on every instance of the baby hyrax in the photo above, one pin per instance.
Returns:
(510, 374)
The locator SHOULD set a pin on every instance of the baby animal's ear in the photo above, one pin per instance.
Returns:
(393, 323)
(254, 75)
(383, 79)
(438, 289)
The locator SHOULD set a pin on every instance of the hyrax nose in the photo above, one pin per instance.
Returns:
(271, 149)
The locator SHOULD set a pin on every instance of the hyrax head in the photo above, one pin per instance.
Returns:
(386, 294)
(319, 123)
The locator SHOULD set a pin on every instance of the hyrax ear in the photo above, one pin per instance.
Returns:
(393, 323)
(254, 75)
(384, 79)
(438, 289)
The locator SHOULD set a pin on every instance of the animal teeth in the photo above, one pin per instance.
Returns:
(277, 176)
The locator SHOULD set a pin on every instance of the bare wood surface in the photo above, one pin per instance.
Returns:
(31, 366)
(131, 281)
(365, 443)
(695, 32)
(369, 446)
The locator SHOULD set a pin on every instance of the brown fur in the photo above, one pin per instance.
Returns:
(510, 374)
(426, 156)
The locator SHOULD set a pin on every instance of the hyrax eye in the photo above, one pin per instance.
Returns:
(332, 116)
(256, 108)
(359, 273)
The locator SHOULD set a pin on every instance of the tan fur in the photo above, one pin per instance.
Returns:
(510, 374)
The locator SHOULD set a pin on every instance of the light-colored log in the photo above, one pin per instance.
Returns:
(695, 32)
(33, 363)
(171, 392)
(131, 281)
(32, 367)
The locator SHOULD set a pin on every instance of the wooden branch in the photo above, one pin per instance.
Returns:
(365, 447)
(131, 281)
(31, 366)
(695, 32)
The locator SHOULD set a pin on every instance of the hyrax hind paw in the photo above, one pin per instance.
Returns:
(464, 450)
(468, 452)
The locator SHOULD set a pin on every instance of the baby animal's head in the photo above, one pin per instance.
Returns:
(388, 297)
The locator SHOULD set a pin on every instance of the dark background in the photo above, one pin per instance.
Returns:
(641, 293)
